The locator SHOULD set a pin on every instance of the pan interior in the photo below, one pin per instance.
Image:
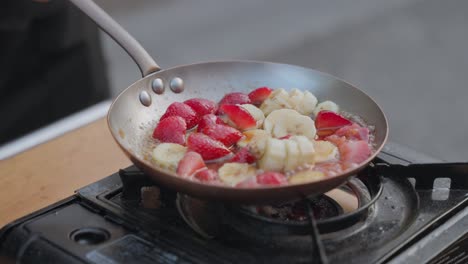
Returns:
(131, 123)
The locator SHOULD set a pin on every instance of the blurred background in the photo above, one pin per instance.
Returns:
(409, 55)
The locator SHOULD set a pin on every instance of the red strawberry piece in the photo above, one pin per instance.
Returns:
(206, 175)
(239, 116)
(184, 111)
(243, 156)
(327, 122)
(189, 164)
(171, 130)
(233, 98)
(209, 120)
(271, 178)
(225, 134)
(201, 106)
(207, 147)
(354, 132)
(259, 95)
(249, 183)
(285, 137)
(354, 151)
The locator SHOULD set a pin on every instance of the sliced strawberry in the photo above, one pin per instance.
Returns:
(208, 121)
(244, 156)
(354, 132)
(239, 116)
(207, 147)
(271, 178)
(171, 130)
(354, 151)
(184, 111)
(206, 175)
(233, 98)
(249, 183)
(327, 122)
(285, 137)
(190, 163)
(225, 134)
(202, 106)
(259, 95)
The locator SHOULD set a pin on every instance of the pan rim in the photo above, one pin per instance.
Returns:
(222, 188)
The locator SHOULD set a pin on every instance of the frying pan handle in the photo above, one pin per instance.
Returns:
(141, 57)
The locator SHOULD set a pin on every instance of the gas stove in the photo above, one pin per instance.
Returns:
(392, 212)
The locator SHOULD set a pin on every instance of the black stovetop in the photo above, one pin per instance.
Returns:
(104, 224)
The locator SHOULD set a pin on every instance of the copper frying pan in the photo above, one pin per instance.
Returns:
(134, 112)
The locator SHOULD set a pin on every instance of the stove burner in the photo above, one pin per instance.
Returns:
(335, 210)
(322, 207)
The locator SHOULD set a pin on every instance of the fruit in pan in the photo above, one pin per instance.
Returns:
(224, 134)
(168, 155)
(259, 95)
(256, 113)
(206, 175)
(271, 178)
(207, 147)
(283, 122)
(209, 120)
(189, 164)
(240, 117)
(274, 157)
(326, 106)
(232, 99)
(234, 173)
(186, 112)
(328, 122)
(201, 106)
(171, 130)
(325, 151)
(306, 176)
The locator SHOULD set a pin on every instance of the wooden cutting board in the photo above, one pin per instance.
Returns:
(52, 171)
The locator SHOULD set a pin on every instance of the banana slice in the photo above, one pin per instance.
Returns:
(326, 105)
(279, 99)
(306, 176)
(255, 112)
(252, 136)
(293, 155)
(309, 103)
(306, 148)
(283, 122)
(168, 155)
(325, 151)
(274, 157)
(295, 98)
(233, 173)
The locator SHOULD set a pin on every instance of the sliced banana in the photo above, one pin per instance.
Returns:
(293, 155)
(326, 105)
(233, 173)
(274, 157)
(279, 99)
(325, 151)
(255, 112)
(295, 98)
(252, 136)
(306, 148)
(283, 122)
(306, 176)
(168, 155)
(309, 103)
